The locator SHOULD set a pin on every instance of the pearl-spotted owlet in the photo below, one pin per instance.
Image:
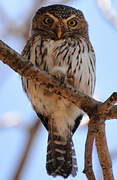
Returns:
(59, 44)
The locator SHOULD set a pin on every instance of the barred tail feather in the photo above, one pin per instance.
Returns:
(61, 158)
(74, 162)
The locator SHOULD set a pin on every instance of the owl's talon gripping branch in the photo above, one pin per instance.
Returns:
(61, 116)
(61, 77)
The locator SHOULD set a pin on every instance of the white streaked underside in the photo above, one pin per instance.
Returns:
(80, 60)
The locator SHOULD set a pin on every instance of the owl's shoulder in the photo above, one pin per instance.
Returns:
(29, 44)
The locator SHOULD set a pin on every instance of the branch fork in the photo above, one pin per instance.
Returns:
(97, 111)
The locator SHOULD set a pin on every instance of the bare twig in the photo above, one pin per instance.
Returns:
(108, 104)
(32, 133)
(97, 111)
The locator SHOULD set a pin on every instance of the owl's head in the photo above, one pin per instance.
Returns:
(59, 22)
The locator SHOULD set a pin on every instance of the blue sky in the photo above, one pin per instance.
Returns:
(12, 98)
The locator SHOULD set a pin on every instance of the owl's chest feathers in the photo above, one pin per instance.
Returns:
(72, 57)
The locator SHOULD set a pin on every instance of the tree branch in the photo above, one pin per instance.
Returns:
(103, 152)
(98, 112)
(29, 71)
(88, 170)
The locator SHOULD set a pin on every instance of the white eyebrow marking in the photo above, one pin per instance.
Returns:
(71, 17)
(67, 19)
(53, 17)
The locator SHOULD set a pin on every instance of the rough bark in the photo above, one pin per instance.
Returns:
(97, 111)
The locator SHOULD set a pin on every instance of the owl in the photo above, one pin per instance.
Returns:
(59, 45)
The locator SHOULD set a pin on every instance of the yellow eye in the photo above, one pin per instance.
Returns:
(48, 20)
(72, 22)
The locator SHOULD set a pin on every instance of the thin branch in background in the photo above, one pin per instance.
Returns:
(108, 11)
(27, 148)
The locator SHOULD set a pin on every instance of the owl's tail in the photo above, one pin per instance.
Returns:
(61, 158)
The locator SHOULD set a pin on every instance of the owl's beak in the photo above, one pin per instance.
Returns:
(59, 33)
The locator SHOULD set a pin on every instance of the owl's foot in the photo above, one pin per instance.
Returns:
(59, 74)
(61, 77)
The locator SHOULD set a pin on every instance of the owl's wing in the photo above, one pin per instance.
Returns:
(27, 53)
(27, 48)
(77, 122)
